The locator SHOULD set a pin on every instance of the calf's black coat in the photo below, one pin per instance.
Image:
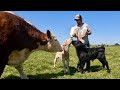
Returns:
(87, 54)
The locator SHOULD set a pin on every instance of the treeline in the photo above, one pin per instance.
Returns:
(116, 44)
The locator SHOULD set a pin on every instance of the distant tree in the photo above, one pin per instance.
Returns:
(102, 44)
(116, 44)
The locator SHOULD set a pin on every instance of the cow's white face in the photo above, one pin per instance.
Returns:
(53, 44)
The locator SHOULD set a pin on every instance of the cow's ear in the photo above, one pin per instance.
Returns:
(49, 34)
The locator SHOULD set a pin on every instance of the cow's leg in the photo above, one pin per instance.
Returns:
(21, 72)
(2, 66)
(67, 63)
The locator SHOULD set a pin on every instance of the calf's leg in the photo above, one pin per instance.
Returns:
(105, 63)
(67, 63)
(88, 66)
(78, 66)
(55, 60)
(81, 66)
(21, 72)
(64, 66)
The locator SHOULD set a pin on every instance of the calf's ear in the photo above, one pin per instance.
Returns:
(103, 47)
(48, 34)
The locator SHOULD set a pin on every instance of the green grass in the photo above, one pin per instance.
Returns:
(39, 65)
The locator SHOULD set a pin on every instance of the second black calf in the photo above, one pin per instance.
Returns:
(87, 54)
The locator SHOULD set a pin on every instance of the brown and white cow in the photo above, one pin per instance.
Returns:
(19, 38)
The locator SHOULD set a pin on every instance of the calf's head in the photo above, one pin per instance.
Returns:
(66, 45)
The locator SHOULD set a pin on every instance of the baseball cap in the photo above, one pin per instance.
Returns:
(78, 16)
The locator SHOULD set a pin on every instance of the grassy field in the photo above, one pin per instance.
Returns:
(39, 65)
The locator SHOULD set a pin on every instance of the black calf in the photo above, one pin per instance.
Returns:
(87, 54)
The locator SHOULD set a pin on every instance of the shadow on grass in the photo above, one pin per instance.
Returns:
(11, 77)
(44, 75)
(96, 68)
(73, 70)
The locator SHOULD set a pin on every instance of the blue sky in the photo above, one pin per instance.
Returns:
(105, 25)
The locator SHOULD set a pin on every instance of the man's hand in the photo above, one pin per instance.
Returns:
(83, 41)
(88, 32)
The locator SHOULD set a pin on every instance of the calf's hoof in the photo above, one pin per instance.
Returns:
(108, 71)
(88, 71)
(66, 73)
(82, 72)
(78, 70)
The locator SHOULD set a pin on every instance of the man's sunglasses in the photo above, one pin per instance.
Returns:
(77, 19)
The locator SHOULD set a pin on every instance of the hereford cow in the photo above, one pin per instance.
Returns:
(19, 38)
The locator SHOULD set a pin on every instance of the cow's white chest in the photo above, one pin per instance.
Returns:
(18, 57)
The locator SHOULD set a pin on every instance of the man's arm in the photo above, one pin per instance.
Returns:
(73, 32)
(88, 30)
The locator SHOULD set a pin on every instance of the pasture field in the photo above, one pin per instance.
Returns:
(39, 65)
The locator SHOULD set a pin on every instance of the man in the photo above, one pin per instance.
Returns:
(81, 32)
